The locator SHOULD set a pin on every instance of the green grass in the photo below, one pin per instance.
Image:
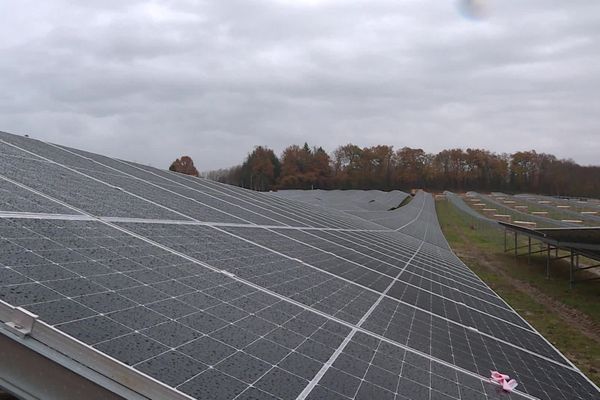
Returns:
(568, 318)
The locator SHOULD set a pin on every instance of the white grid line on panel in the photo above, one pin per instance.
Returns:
(30, 215)
(388, 247)
(397, 279)
(317, 378)
(416, 286)
(400, 301)
(137, 220)
(96, 180)
(34, 215)
(223, 189)
(170, 191)
(259, 288)
(199, 223)
(510, 308)
(351, 282)
(134, 195)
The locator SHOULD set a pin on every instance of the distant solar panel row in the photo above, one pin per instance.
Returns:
(219, 292)
(355, 202)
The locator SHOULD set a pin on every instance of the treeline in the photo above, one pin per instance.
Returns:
(382, 167)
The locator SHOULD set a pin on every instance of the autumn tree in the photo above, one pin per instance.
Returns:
(261, 169)
(347, 166)
(184, 165)
(296, 169)
(321, 164)
(525, 170)
(376, 167)
(485, 170)
(411, 167)
(304, 168)
(379, 167)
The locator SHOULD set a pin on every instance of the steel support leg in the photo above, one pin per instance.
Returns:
(548, 262)
(571, 270)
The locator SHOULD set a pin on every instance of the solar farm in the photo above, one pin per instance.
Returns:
(119, 280)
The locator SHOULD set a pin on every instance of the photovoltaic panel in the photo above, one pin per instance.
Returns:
(356, 202)
(251, 207)
(220, 292)
(147, 310)
(79, 191)
(284, 276)
(13, 198)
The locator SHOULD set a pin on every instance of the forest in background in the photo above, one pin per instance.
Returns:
(382, 167)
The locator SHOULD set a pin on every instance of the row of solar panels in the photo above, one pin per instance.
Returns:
(573, 212)
(355, 202)
(459, 203)
(540, 220)
(219, 292)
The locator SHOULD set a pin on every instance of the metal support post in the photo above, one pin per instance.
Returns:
(548, 262)
(571, 270)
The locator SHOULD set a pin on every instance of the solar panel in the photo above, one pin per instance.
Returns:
(193, 289)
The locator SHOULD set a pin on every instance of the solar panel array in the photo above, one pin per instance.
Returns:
(460, 204)
(367, 204)
(538, 219)
(574, 211)
(223, 293)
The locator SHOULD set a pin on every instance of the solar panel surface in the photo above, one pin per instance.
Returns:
(219, 292)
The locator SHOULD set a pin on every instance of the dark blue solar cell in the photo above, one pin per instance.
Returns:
(10, 277)
(213, 384)
(106, 302)
(93, 330)
(243, 367)
(255, 394)
(59, 311)
(172, 368)
(207, 350)
(301, 365)
(282, 384)
(143, 294)
(171, 333)
(172, 308)
(132, 348)
(75, 286)
(203, 322)
(234, 336)
(137, 317)
(115, 281)
(27, 293)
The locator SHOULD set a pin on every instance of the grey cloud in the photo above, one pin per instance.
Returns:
(150, 81)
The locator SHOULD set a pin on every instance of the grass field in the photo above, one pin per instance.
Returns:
(568, 318)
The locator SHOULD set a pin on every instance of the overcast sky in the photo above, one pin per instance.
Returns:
(150, 81)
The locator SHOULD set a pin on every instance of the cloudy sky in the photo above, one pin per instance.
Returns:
(152, 80)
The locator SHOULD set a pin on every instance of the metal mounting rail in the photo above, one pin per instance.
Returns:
(109, 374)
